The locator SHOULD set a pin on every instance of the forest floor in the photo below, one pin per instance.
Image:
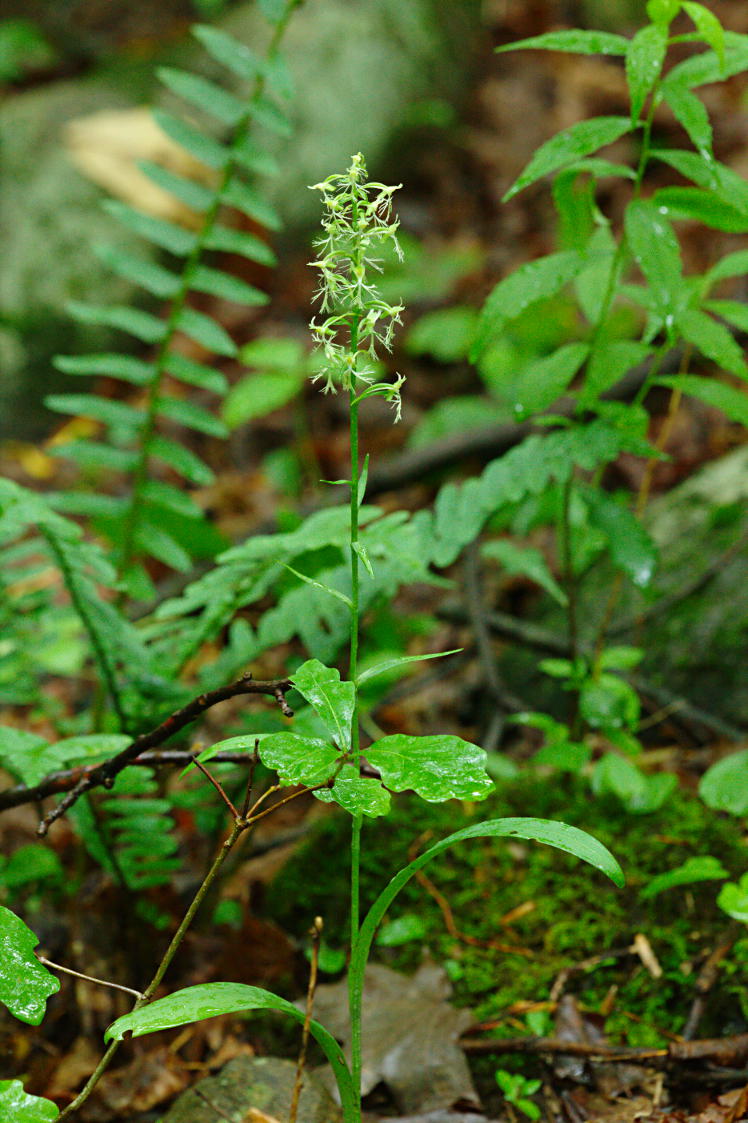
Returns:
(532, 946)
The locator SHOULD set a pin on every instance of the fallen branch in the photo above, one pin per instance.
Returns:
(78, 781)
(539, 639)
(724, 1051)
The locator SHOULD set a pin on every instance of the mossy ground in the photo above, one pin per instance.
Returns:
(576, 912)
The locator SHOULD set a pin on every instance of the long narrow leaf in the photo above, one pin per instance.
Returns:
(572, 144)
(203, 95)
(165, 234)
(223, 285)
(125, 367)
(202, 147)
(209, 1000)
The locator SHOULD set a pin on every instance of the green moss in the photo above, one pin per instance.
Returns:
(576, 913)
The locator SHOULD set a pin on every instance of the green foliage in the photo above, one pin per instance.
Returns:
(134, 523)
(25, 985)
(25, 1108)
(516, 1089)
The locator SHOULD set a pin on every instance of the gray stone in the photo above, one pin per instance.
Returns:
(357, 67)
(263, 1083)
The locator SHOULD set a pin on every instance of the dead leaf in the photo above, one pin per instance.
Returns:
(410, 1036)
(106, 146)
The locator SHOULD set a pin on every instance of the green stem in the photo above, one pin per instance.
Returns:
(354, 992)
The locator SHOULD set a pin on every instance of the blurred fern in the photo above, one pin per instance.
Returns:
(152, 517)
(403, 548)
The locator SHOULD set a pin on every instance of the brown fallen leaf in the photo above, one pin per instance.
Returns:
(106, 147)
(410, 1037)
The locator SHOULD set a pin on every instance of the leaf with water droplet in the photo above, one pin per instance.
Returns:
(25, 985)
(437, 768)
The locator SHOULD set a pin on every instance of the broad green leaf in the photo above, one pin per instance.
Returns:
(690, 112)
(204, 95)
(572, 144)
(713, 340)
(297, 760)
(227, 50)
(182, 459)
(237, 241)
(574, 199)
(25, 985)
(195, 374)
(153, 278)
(250, 202)
(733, 899)
(206, 332)
(142, 325)
(708, 27)
(194, 195)
(609, 703)
(630, 546)
(437, 768)
(644, 58)
(704, 868)
(655, 247)
(641, 794)
(202, 147)
(192, 416)
(537, 385)
(18, 1106)
(404, 930)
(165, 234)
(125, 367)
(724, 786)
(259, 394)
(559, 835)
(607, 365)
(223, 285)
(701, 206)
(663, 11)
(93, 505)
(100, 409)
(573, 41)
(358, 795)
(209, 1000)
(531, 283)
(525, 561)
(320, 585)
(333, 700)
(400, 661)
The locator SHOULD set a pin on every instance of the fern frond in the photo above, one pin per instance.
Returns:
(133, 522)
(85, 573)
(403, 548)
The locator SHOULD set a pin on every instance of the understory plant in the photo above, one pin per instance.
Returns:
(155, 671)
(357, 221)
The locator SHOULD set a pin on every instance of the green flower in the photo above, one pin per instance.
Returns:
(356, 224)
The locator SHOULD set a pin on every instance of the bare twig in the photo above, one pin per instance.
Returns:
(89, 978)
(706, 979)
(218, 786)
(316, 933)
